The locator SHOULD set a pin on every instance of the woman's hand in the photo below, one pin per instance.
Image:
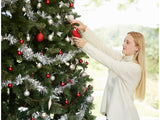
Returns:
(80, 26)
(79, 42)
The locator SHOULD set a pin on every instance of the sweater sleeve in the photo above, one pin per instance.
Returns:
(125, 70)
(90, 37)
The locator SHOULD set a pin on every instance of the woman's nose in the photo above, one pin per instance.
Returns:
(124, 44)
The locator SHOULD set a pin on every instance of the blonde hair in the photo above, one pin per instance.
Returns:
(139, 58)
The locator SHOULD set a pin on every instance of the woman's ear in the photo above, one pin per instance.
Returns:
(137, 48)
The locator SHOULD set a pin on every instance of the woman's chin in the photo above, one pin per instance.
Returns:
(123, 52)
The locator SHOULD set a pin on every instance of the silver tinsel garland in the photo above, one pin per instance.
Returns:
(4, 2)
(47, 117)
(29, 12)
(61, 4)
(10, 38)
(59, 89)
(20, 79)
(29, 55)
(43, 15)
(81, 112)
(64, 117)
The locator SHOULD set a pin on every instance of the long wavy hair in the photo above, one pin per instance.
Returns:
(139, 58)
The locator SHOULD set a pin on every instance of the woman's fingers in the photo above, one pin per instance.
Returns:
(75, 21)
(78, 22)
(75, 37)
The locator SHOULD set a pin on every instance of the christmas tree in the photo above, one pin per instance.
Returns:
(43, 73)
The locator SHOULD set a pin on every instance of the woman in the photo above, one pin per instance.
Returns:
(126, 72)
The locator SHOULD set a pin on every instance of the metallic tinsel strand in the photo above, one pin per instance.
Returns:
(4, 2)
(10, 38)
(20, 79)
(29, 55)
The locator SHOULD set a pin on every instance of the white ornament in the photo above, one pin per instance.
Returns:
(28, 37)
(52, 77)
(84, 74)
(2, 38)
(22, 109)
(69, 17)
(26, 93)
(43, 115)
(72, 42)
(51, 116)
(90, 112)
(19, 61)
(59, 34)
(24, 9)
(49, 103)
(67, 63)
(89, 99)
(39, 5)
(72, 67)
(50, 21)
(8, 91)
(58, 16)
(67, 39)
(39, 65)
(50, 37)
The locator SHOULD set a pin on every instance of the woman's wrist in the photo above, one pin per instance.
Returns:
(84, 43)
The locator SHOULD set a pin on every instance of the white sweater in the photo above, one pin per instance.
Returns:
(124, 76)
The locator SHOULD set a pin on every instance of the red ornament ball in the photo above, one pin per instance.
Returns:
(21, 41)
(19, 53)
(10, 68)
(40, 37)
(75, 33)
(32, 119)
(42, 53)
(10, 85)
(62, 83)
(66, 101)
(78, 94)
(47, 75)
(80, 61)
(86, 63)
(60, 52)
(87, 89)
(71, 5)
(89, 85)
(47, 1)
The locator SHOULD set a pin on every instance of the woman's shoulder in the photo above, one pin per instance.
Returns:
(134, 66)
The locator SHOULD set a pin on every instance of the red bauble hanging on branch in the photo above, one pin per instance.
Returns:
(66, 101)
(10, 68)
(21, 41)
(60, 52)
(76, 33)
(62, 83)
(71, 5)
(47, 75)
(47, 1)
(78, 94)
(10, 85)
(80, 61)
(19, 53)
(40, 37)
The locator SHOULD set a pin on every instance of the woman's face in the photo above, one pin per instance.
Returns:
(129, 47)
